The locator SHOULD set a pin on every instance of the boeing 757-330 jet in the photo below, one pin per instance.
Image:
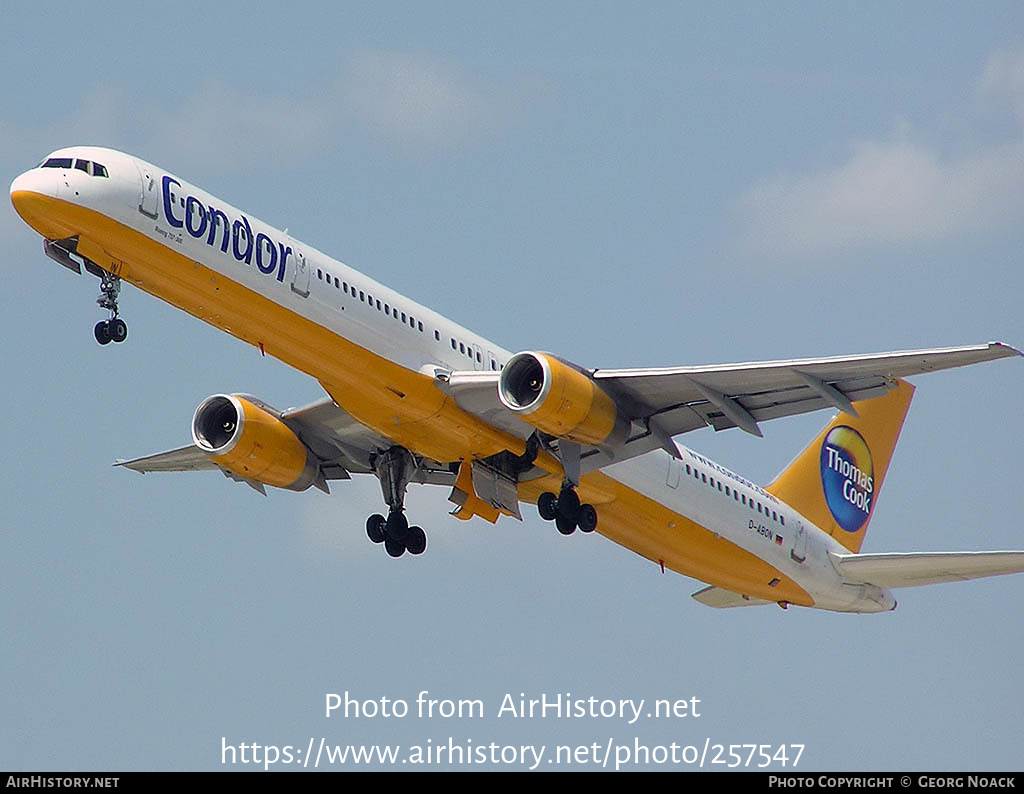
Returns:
(412, 397)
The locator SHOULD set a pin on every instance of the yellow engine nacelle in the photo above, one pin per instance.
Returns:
(557, 398)
(251, 442)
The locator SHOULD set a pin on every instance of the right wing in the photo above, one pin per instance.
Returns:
(342, 445)
(189, 458)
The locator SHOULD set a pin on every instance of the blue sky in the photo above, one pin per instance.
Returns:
(672, 184)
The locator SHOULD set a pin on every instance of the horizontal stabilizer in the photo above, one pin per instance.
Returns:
(720, 598)
(919, 568)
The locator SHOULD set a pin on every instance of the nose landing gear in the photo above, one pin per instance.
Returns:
(110, 331)
(115, 329)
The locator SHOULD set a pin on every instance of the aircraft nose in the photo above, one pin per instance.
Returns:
(34, 181)
(33, 195)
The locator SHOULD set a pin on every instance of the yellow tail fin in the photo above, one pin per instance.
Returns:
(835, 481)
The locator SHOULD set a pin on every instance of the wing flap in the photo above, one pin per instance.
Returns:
(921, 568)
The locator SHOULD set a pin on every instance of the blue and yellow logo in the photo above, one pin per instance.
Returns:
(847, 477)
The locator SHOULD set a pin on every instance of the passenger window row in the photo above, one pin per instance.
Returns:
(467, 350)
(359, 295)
(397, 314)
(743, 499)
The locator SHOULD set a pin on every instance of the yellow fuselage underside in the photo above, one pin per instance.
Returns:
(400, 404)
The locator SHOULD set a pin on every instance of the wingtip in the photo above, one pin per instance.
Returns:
(1010, 349)
(125, 463)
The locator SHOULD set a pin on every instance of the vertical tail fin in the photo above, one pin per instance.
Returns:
(835, 481)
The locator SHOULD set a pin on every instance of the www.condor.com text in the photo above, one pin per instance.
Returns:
(606, 754)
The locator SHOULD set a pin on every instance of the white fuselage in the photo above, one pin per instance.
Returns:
(269, 262)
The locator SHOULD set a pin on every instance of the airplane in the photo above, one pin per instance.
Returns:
(412, 397)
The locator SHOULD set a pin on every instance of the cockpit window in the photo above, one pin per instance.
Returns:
(88, 166)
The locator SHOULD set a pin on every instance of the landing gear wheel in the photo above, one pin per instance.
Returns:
(113, 329)
(587, 518)
(397, 526)
(375, 528)
(102, 332)
(565, 525)
(547, 506)
(416, 542)
(118, 330)
(394, 548)
(568, 504)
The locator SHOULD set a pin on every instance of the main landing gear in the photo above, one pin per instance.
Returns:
(396, 534)
(566, 511)
(114, 329)
(394, 468)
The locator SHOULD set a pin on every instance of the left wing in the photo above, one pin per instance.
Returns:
(662, 403)
(681, 399)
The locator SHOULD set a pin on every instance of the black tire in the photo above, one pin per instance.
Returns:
(416, 542)
(394, 548)
(118, 330)
(397, 526)
(102, 332)
(375, 528)
(547, 506)
(565, 526)
(569, 505)
(587, 518)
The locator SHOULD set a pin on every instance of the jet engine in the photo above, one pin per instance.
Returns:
(557, 398)
(252, 442)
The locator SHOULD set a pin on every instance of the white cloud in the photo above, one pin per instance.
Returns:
(895, 191)
(1003, 78)
(218, 124)
(418, 101)
(413, 102)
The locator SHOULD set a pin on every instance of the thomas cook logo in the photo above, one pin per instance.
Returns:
(847, 477)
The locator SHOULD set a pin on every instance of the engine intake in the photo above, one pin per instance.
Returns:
(251, 442)
(557, 398)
